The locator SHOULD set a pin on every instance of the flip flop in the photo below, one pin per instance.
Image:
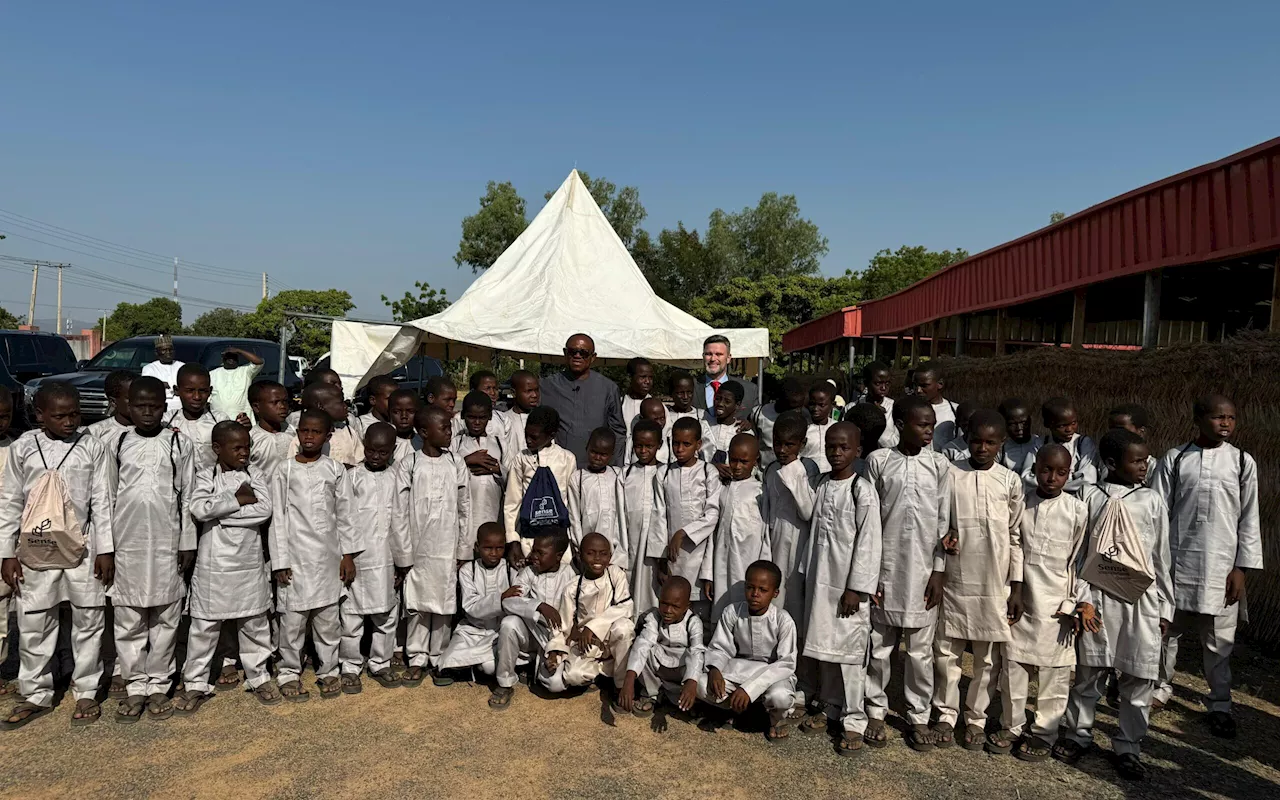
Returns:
(500, 698)
(8, 724)
(130, 709)
(877, 734)
(159, 707)
(293, 691)
(975, 738)
(850, 745)
(89, 712)
(119, 690)
(188, 702)
(921, 739)
(268, 694)
(228, 679)
(386, 678)
(351, 684)
(329, 687)
(944, 735)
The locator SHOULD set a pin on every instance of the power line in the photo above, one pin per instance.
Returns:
(91, 279)
(220, 281)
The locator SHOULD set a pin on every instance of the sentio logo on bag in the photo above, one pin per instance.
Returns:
(545, 511)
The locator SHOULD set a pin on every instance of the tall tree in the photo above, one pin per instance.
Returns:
(223, 322)
(890, 272)
(679, 267)
(770, 239)
(622, 207)
(7, 320)
(429, 301)
(312, 337)
(157, 315)
(492, 229)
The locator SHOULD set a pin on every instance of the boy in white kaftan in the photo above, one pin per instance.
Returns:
(531, 612)
(741, 536)
(595, 497)
(686, 502)
(487, 488)
(481, 584)
(1211, 488)
(596, 626)
(637, 514)
(668, 651)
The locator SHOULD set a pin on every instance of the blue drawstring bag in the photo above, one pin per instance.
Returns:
(541, 506)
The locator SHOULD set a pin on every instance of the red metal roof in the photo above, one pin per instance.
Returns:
(845, 323)
(1226, 209)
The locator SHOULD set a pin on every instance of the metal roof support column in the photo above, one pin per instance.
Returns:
(897, 350)
(853, 353)
(960, 323)
(915, 346)
(1275, 296)
(1002, 324)
(1077, 319)
(875, 348)
(1151, 310)
(935, 338)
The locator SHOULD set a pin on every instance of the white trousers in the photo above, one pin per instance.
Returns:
(326, 632)
(516, 638)
(578, 669)
(37, 642)
(202, 644)
(842, 688)
(1217, 636)
(917, 668)
(145, 639)
(777, 699)
(427, 637)
(946, 680)
(109, 654)
(654, 678)
(1135, 708)
(1051, 699)
(4, 624)
(381, 646)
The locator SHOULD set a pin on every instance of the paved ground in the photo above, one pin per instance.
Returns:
(430, 742)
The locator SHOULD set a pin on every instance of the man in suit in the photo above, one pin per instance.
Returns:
(715, 358)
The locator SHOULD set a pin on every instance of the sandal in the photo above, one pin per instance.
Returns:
(438, 678)
(975, 738)
(329, 687)
(228, 679)
(777, 732)
(500, 698)
(877, 734)
(25, 712)
(86, 713)
(268, 694)
(921, 739)
(850, 744)
(351, 684)
(1069, 752)
(293, 692)
(814, 723)
(1032, 749)
(386, 678)
(1130, 767)
(944, 735)
(413, 677)
(1000, 742)
(188, 702)
(1157, 706)
(643, 707)
(159, 707)
(8, 687)
(1222, 725)
(130, 709)
(119, 690)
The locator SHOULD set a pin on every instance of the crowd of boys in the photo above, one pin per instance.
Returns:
(776, 556)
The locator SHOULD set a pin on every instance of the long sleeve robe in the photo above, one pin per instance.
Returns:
(311, 530)
(815, 445)
(915, 510)
(89, 473)
(345, 445)
(151, 522)
(230, 580)
(537, 588)
(788, 507)
(1214, 523)
(373, 499)
(1013, 455)
(596, 604)
(199, 431)
(108, 431)
(688, 499)
(637, 517)
(986, 511)
(562, 464)
(268, 451)
(844, 555)
(754, 653)
(1052, 531)
(944, 427)
(596, 506)
(433, 496)
(890, 436)
(486, 490)
(674, 646)
(741, 538)
(1084, 462)
(716, 439)
(476, 634)
(1130, 637)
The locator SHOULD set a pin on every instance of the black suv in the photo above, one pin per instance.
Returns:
(28, 355)
(133, 353)
(412, 375)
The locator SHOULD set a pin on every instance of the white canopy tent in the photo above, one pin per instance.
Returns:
(567, 273)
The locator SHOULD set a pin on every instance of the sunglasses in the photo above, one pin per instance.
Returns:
(578, 351)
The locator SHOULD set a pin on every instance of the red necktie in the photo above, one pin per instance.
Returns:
(715, 386)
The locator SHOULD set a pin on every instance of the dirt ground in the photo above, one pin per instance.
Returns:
(444, 742)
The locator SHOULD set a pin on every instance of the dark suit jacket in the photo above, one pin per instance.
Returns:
(750, 395)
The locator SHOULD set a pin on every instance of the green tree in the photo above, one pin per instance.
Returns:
(312, 337)
(7, 320)
(679, 267)
(225, 322)
(776, 302)
(429, 301)
(770, 239)
(890, 272)
(1056, 217)
(492, 229)
(157, 315)
(621, 207)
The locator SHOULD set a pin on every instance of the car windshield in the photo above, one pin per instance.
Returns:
(134, 354)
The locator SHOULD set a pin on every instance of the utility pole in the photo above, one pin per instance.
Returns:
(31, 310)
(175, 277)
(104, 328)
(58, 327)
(264, 286)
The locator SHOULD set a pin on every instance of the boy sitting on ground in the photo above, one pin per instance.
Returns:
(667, 655)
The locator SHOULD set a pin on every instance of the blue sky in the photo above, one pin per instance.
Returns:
(340, 145)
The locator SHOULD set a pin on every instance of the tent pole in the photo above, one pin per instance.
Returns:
(760, 381)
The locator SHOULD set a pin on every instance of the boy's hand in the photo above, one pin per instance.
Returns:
(587, 639)
(877, 599)
(674, 545)
(347, 569)
(1015, 606)
(743, 425)
(244, 420)
(11, 571)
(1089, 619)
(185, 559)
(725, 477)
(688, 694)
(400, 573)
(951, 543)
(662, 571)
(515, 556)
(739, 701)
(481, 463)
(627, 694)
(1164, 627)
(512, 591)
(550, 615)
(1235, 586)
(709, 590)
(933, 590)
(245, 495)
(849, 602)
(104, 569)
(553, 661)
(283, 576)
(715, 684)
